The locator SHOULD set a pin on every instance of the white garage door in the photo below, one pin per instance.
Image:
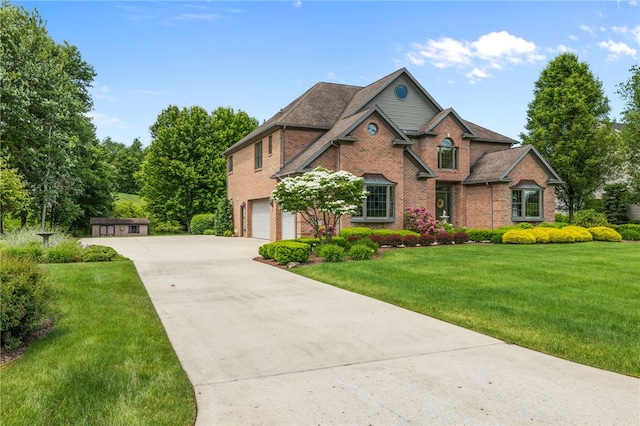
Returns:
(260, 219)
(288, 226)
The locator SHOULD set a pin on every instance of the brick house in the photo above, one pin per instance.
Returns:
(410, 151)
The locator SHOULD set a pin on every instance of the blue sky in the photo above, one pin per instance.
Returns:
(480, 58)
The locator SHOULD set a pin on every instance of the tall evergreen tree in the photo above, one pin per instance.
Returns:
(567, 121)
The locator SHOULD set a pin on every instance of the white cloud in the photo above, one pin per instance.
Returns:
(99, 118)
(297, 3)
(496, 50)
(617, 49)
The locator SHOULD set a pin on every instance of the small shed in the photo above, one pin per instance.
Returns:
(119, 226)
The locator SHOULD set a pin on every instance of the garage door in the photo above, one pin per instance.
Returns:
(288, 226)
(260, 219)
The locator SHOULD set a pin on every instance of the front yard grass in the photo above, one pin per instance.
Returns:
(107, 360)
(580, 301)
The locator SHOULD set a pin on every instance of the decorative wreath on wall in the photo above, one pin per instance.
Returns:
(440, 203)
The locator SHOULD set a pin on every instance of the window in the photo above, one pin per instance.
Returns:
(380, 203)
(270, 146)
(447, 155)
(230, 164)
(526, 202)
(258, 155)
(134, 229)
(401, 91)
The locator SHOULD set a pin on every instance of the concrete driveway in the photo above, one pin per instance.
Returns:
(263, 346)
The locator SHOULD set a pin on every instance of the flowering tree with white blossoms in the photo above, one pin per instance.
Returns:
(321, 197)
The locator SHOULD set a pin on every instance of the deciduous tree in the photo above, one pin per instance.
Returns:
(13, 192)
(321, 197)
(630, 132)
(183, 173)
(567, 121)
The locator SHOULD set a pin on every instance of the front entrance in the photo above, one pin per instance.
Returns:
(443, 203)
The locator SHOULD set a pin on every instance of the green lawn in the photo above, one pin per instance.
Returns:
(107, 361)
(134, 198)
(575, 301)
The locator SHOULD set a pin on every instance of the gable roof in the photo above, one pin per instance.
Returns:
(340, 133)
(496, 166)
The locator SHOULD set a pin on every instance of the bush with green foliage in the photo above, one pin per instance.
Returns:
(628, 231)
(589, 218)
(201, 222)
(361, 252)
(291, 251)
(604, 233)
(65, 252)
(561, 218)
(25, 298)
(32, 250)
(331, 253)
(210, 232)
(128, 209)
(223, 221)
(479, 235)
(171, 227)
(556, 225)
(444, 238)
(369, 243)
(359, 231)
(99, 253)
(518, 236)
(426, 240)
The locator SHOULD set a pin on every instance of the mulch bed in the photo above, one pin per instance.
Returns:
(7, 357)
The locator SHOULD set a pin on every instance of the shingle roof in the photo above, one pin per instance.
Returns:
(119, 221)
(487, 135)
(319, 107)
(495, 166)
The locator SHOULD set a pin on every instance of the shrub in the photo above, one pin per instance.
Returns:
(339, 241)
(308, 240)
(65, 252)
(579, 233)
(359, 231)
(378, 239)
(393, 240)
(268, 250)
(223, 220)
(460, 237)
(604, 233)
(353, 238)
(170, 227)
(496, 235)
(291, 251)
(479, 235)
(541, 234)
(426, 239)
(561, 218)
(331, 253)
(629, 231)
(560, 236)
(589, 218)
(444, 238)
(32, 250)
(410, 240)
(98, 253)
(212, 232)
(421, 221)
(201, 222)
(525, 225)
(556, 225)
(369, 243)
(401, 232)
(519, 237)
(25, 299)
(361, 252)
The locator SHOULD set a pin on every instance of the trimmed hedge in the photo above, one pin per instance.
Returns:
(629, 231)
(604, 233)
(519, 236)
(98, 253)
(285, 251)
(362, 232)
(579, 233)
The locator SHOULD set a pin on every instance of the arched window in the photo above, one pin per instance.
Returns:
(447, 155)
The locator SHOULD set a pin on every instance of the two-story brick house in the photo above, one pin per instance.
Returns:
(410, 151)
